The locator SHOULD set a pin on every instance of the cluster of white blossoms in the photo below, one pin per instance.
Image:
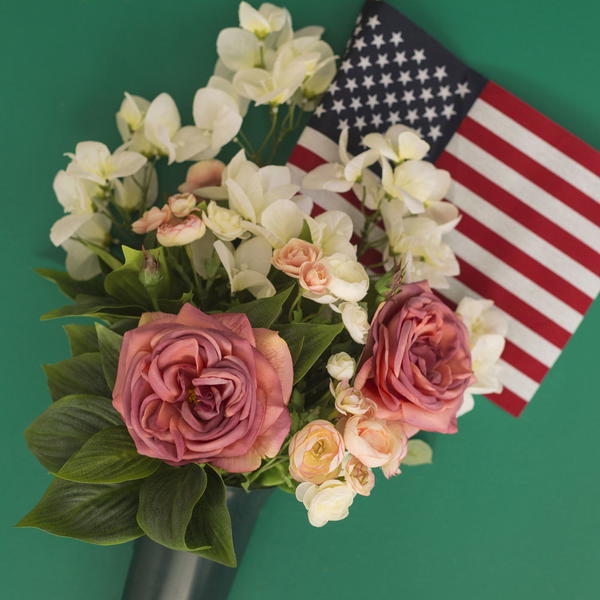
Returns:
(408, 198)
(487, 328)
(266, 61)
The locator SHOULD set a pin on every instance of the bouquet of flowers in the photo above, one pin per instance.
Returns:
(241, 337)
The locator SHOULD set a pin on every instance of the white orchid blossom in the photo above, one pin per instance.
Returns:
(416, 182)
(332, 231)
(129, 193)
(131, 115)
(279, 223)
(93, 161)
(342, 176)
(267, 19)
(82, 263)
(417, 242)
(481, 317)
(239, 49)
(397, 144)
(247, 266)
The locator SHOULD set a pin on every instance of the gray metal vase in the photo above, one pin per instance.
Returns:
(157, 573)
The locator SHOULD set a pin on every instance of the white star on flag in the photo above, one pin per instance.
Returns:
(351, 84)
(396, 38)
(364, 62)
(346, 65)
(382, 60)
(390, 99)
(386, 79)
(405, 77)
(408, 96)
(355, 104)
(368, 81)
(373, 22)
(360, 43)
(462, 89)
(338, 106)
(400, 58)
(376, 120)
(394, 118)
(444, 92)
(419, 56)
(434, 132)
(359, 123)
(372, 101)
(448, 111)
(430, 113)
(412, 116)
(378, 41)
(426, 94)
(440, 73)
(423, 76)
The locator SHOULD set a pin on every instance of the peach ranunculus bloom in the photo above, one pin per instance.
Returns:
(349, 400)
(195, 388)
(360, 477)
(294, 254)
(376, 443)
(416, 364)
(151, 219)
(316, 452)
(179, 232)
(182, 205)
(314, 277)
(202, 174)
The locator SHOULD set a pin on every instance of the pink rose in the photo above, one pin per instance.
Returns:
(202, 174)
(416, 363)
(314, 277)
(294, 254)
(201, 388)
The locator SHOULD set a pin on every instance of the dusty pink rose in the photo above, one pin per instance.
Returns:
(359, 477)
(294, 254)
(179, 232)
(416, 363)
(151, 219)
(200, 388)
(182, 205)
(202, 174)
(314, 277)
(376, 443)
(316, 452)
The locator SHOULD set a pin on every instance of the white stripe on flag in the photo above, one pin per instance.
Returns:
(535, 147)
(522, 188)
(509, 278)
(320, 144)
(526, 386)
(524, 239)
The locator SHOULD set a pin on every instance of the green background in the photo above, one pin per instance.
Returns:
(510, 507)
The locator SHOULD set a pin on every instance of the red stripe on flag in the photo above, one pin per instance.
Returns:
(511, 304)
(524, 362)
(541, 126)
(523, 263)
(530, 169)
(509, 401)
(521, 212)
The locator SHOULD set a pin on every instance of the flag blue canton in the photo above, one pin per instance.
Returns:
(394, 73)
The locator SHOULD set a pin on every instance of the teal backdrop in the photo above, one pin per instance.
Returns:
(510, 508)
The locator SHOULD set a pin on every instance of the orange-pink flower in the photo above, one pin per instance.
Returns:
(202, 174)
(294, 254)
(151, 219)
(314, 277)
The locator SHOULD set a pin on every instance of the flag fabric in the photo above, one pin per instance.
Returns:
(527, 189)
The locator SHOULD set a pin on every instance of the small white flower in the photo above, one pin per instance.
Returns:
(93, 161)
(331, 231)
(128, 192)
(225, 223)
(356, 321)
(130, 117)
(397, 144)
(481, 317)
(269, 87)
(329, 501)
(267, 19)
(247, 266)
(341, 366)
(348, 278)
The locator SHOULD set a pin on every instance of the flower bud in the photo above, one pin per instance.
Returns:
(349, 400)
(359, 477)
(355, 320)
(150, 274)
(341, 366)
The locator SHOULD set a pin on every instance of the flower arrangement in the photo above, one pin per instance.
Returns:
(240, 339)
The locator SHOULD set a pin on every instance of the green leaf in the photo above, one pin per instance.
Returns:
(109, 456)
(173, 306)
(419, 453)
(110, 346)
(167, 501)
(317, 338)
(263, 312)
(95, 306)
(211, 523)
(94, 513)
(305, 233)
(105, 256)
(72, 287)
(64, 427)
(82, 338)
(125, 285)
(78, 375)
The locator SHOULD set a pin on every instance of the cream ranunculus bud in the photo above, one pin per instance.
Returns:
(182, 205)
(355, 320)
(316, 452)
(329, 501)
(360, 478)
(181, 232)
(348, 279)
(341, 366)
(348, 400)
(225, 223)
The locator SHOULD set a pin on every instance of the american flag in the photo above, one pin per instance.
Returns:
(527, 189)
